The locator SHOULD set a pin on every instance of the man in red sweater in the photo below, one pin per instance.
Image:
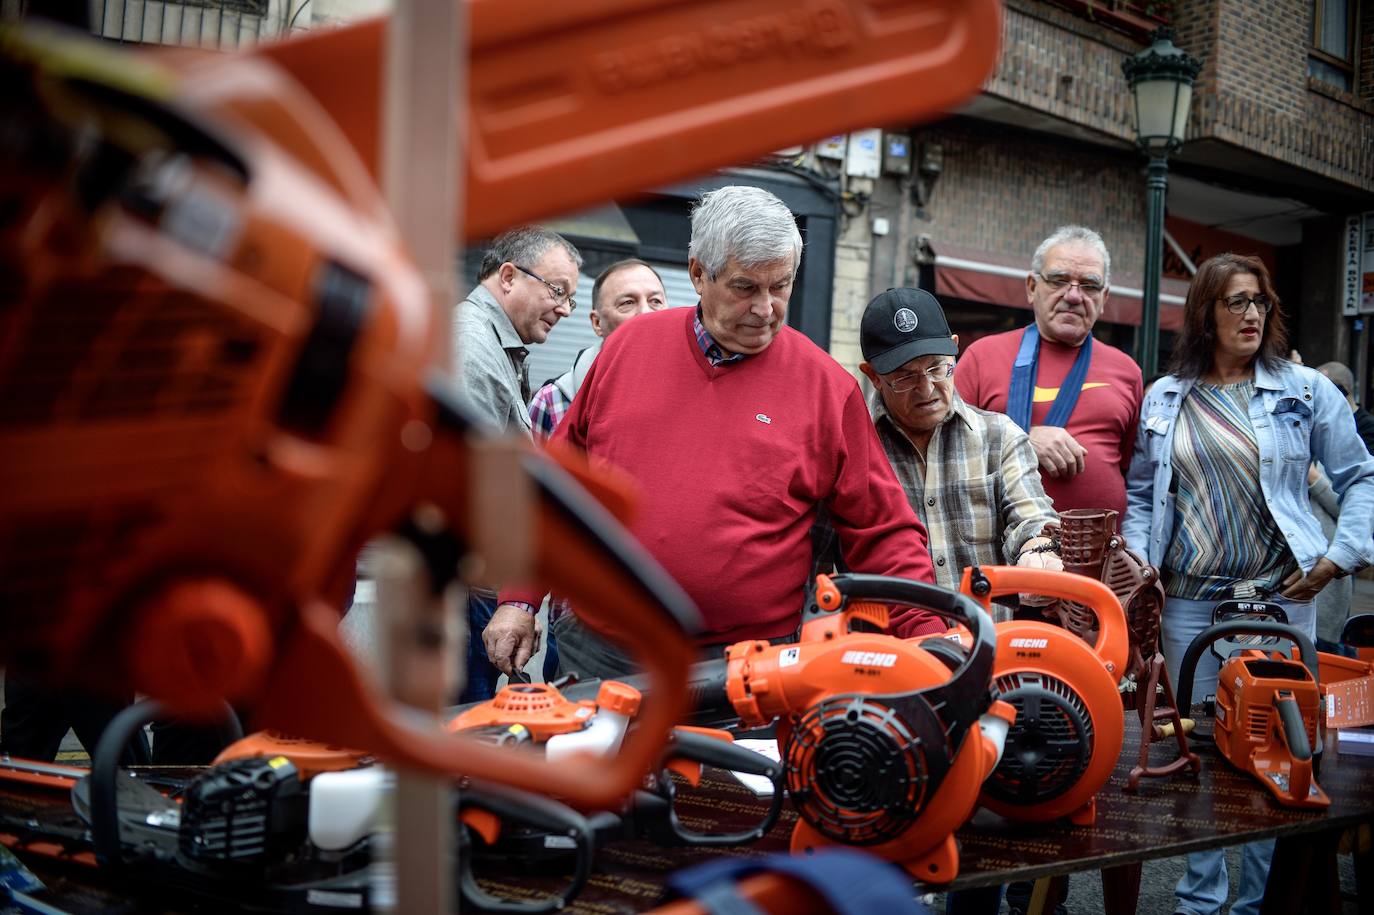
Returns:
(737, 428)
(1079, 399)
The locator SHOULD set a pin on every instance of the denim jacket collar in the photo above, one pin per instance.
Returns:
(1265, 380)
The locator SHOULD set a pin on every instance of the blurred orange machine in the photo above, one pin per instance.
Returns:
(214, 351)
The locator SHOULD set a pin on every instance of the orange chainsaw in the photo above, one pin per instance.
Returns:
(1268, 718)
(213, 392)
(1069, 724)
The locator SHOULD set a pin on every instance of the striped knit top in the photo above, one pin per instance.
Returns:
(1223, 531)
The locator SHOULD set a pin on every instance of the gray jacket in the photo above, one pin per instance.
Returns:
(489, 360)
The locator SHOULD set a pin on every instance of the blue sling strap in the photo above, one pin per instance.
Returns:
(850, 881)
(1020, 396)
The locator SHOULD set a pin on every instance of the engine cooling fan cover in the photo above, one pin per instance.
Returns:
(856, 770)
(1049, 745)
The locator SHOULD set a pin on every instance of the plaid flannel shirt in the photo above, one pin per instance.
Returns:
(977, 490)
(547, 409)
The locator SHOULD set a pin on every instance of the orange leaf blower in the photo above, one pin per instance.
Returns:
(1268, 709)
(1069, 724)
(885, 745)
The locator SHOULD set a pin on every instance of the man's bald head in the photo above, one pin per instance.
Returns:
(1343, 378)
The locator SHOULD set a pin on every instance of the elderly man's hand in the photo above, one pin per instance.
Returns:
(1029, 559)
(1059, 453)
(511, 638)
(1305, 587)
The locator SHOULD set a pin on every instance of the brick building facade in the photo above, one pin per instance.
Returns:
(1275, 161)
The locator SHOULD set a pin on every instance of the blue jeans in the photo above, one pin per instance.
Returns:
(1203, 888)
(482, 675)
(1183, 619)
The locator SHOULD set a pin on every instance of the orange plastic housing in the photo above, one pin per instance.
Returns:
(767, 681)
(573, 104)
(189, 477)
(1249, 730)
(1082, 682)
(215, 367)
(543, 711)
(310, 757)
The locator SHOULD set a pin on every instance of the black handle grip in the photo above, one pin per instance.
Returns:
(1292, 728)
(543, 813)
(952, 605)
(661, 823)
(1188, 669)
(705, 689)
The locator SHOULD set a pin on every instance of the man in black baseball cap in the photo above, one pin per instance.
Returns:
(909, 356)
(900, 325)
(970, 475)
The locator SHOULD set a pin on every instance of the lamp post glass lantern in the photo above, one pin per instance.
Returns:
(1161, 80)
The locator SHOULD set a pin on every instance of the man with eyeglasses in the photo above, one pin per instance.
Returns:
(525, 285)
(970, 475)
(624, 290)
(1078, 398)
(737, 429)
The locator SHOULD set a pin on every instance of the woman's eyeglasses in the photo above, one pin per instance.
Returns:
(1240, 303)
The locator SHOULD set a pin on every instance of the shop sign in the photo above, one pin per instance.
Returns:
(1352, 247)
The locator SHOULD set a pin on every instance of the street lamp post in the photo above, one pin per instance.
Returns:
(1161, 80)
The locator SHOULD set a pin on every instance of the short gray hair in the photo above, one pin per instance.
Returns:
(746, 223)
(524, 245)
(1065, 234)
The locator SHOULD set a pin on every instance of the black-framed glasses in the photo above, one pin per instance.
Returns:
(560, 295)
(935, 374)
(1090, 288)
(1240, 303)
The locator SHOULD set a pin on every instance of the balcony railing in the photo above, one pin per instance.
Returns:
(1137, 18)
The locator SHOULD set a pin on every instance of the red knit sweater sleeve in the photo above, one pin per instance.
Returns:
(879, 533)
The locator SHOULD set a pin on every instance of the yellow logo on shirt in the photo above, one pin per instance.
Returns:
(1047, 395)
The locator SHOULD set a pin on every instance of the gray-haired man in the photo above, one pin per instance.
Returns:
(524, 287)
(737, 428)
(1079, 400)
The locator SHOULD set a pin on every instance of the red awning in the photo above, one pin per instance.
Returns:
(968, 273)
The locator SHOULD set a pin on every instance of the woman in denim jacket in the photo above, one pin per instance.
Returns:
(1217, 493)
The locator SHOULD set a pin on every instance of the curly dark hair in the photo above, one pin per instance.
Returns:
(1193, 353)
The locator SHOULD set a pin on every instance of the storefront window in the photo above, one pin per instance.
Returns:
(1331, 59)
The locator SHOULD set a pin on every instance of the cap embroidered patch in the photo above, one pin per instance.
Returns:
(905, 320)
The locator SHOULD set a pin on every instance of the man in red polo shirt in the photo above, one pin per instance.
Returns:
(1079, 399)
